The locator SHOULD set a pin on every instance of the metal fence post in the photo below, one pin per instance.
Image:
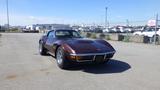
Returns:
(156, 27)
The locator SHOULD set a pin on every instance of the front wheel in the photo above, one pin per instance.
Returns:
(62, 62)
(42, 50)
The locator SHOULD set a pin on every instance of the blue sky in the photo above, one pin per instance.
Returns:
(23, 12)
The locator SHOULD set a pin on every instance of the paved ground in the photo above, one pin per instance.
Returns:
(134, 67)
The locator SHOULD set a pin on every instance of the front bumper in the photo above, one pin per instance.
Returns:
(92, 56)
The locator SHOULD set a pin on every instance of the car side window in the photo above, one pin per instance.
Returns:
(75, 34)
(51, 34)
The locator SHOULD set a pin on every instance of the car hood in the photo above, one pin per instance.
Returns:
(88, 46)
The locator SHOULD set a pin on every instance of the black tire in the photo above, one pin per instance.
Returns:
(61, 60)
(156, 37)
(42, 50)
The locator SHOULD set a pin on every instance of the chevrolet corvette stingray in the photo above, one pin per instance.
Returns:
(68, 47)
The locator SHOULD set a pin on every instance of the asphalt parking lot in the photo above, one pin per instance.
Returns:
(134, 67)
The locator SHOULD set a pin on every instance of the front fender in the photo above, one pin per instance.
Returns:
(67, 48)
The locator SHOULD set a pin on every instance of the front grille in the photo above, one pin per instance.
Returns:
(109, 55)
(99, 57)
(86, 58)
(94, 57)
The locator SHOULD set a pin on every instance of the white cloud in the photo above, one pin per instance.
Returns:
(17, 19)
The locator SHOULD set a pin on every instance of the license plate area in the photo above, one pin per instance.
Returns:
(99, 57)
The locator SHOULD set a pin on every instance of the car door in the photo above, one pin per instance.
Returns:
(158, 32)
(146, 32)
(150, 32)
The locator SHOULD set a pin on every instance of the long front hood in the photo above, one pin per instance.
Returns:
(83, 46)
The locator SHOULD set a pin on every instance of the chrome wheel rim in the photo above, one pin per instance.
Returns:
(59, 56)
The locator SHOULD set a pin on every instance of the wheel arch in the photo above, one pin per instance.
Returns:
(56, 49)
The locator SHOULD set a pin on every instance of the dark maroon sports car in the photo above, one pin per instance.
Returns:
(68, 46)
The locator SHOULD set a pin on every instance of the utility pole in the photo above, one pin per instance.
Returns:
(156, 27)
(106, 17)
(127, 21)
(127, 24)
(7, 15)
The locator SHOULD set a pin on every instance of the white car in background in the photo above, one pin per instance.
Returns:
(150, 32)
(108, 30)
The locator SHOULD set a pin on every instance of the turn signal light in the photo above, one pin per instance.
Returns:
(73, 57)
(78, 57)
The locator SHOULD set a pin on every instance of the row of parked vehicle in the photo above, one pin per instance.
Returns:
(118, 30)
(148, 31)
(143, 31)
(110, 30)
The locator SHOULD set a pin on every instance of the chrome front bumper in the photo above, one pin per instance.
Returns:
(94, 56)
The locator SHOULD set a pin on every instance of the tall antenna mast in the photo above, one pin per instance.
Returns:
(7, 15)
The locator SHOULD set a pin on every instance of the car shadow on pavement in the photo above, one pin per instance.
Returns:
(113, 66)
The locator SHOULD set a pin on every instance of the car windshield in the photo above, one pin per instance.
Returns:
(67, 34)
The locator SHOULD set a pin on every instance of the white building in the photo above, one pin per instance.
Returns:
(47, 26)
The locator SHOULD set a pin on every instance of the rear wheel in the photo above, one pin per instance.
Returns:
(62, 62)
(42, 50)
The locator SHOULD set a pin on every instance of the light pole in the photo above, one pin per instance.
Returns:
(156, 27)
(7, 15)
(106, 17)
